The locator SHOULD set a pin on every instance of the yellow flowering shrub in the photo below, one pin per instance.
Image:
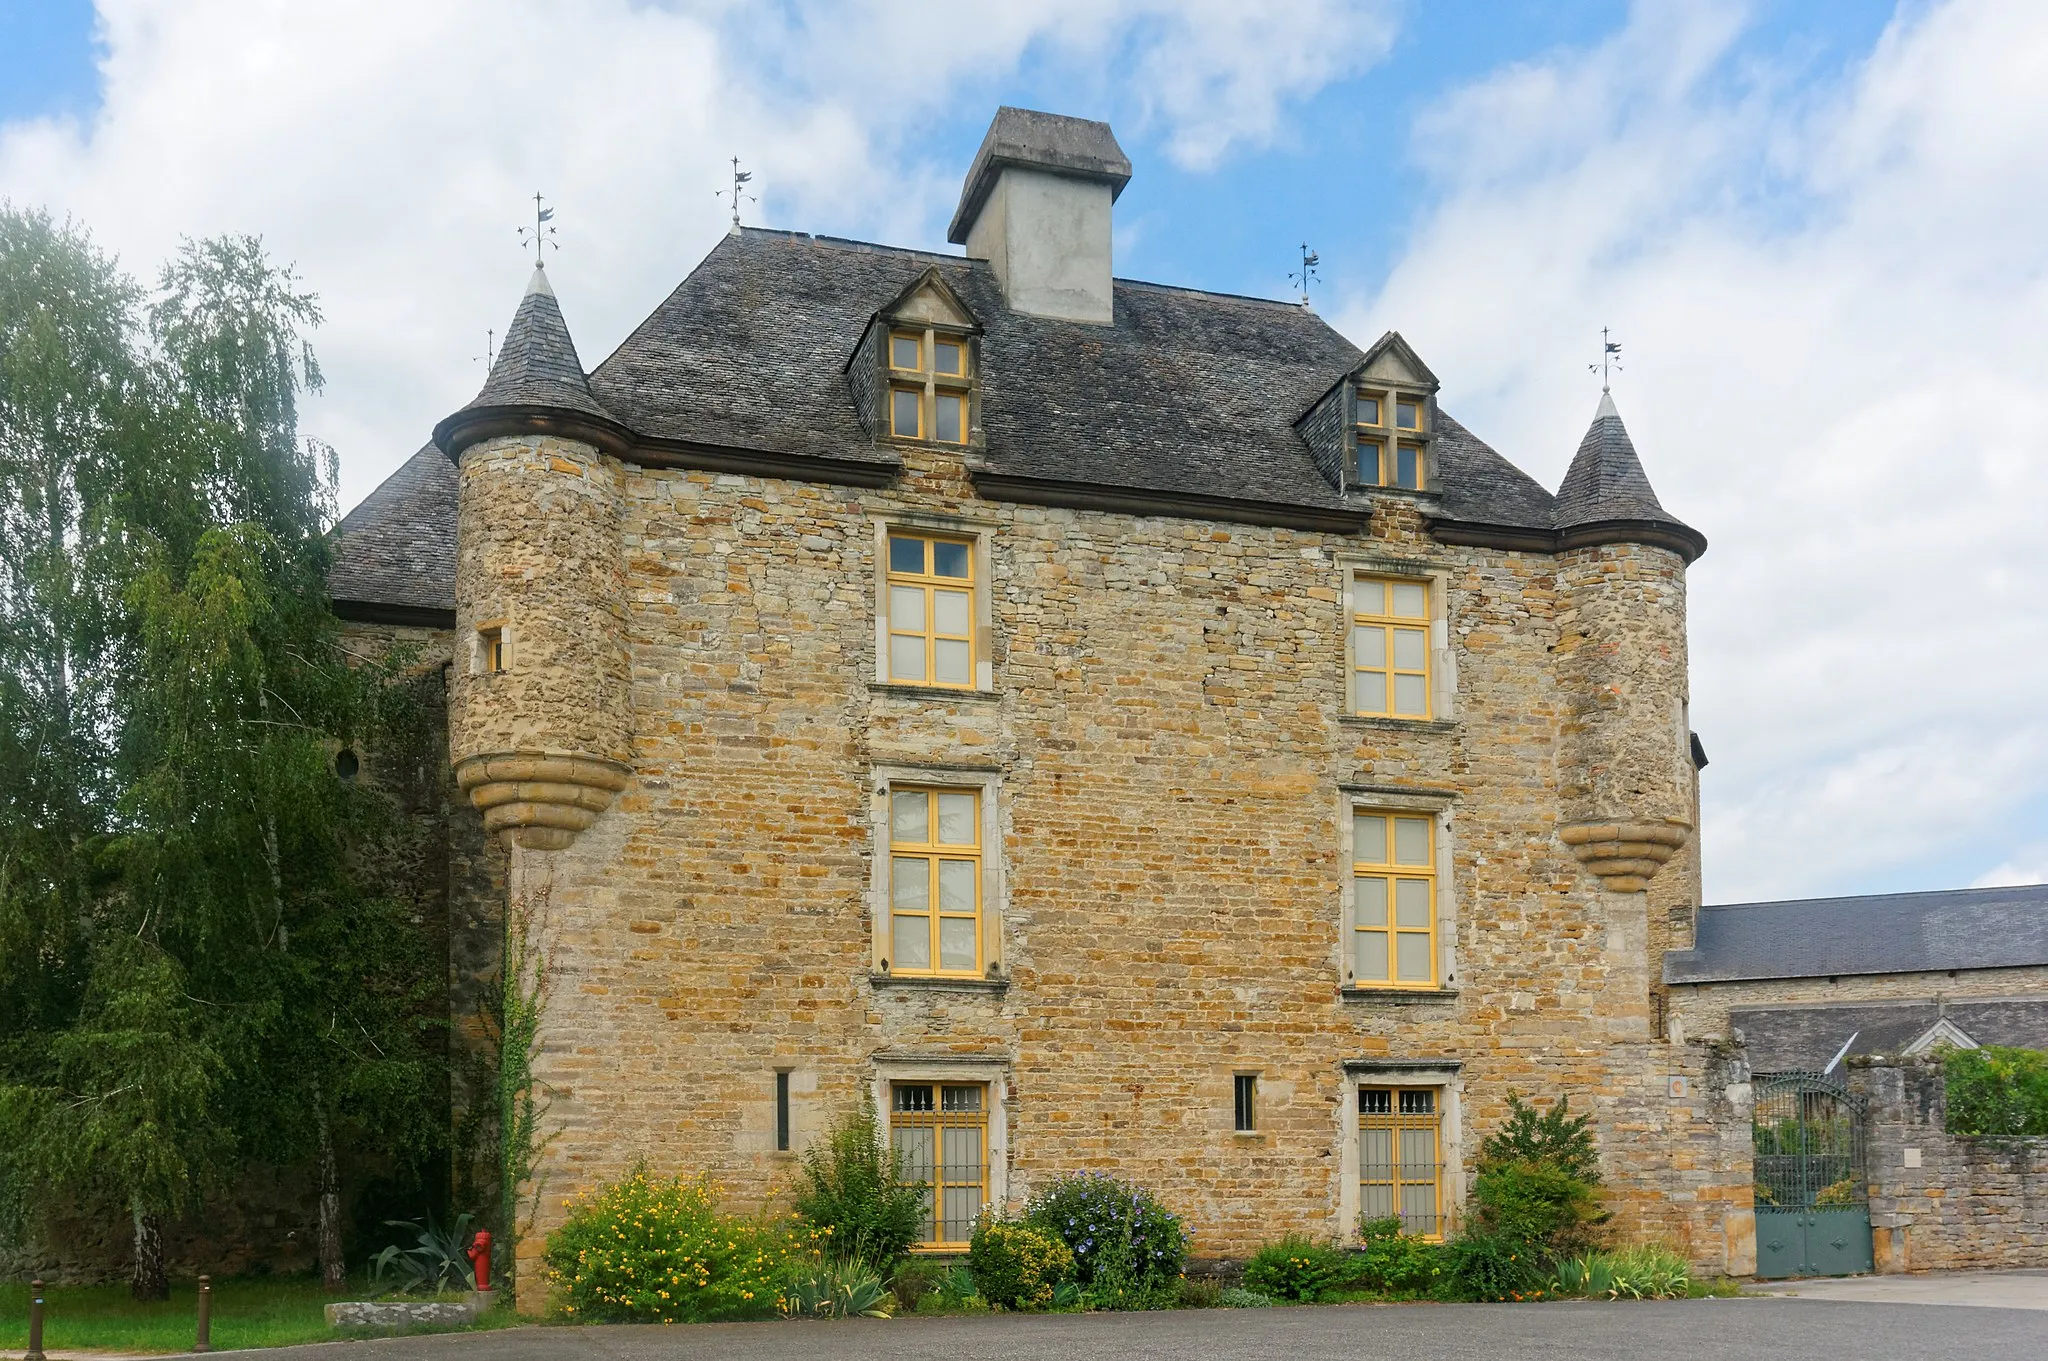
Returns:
(655, 1250)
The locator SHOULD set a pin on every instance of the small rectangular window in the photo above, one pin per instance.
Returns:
(906, 413)
(1394, 899)
(906, 351)
(1369, 409)
(1390, 654)
(935, 882)
(1371, 456)
(1408, 413)
(951, 425)
(1247, 1102)
(943, 1144)
(782, 1112)
(931, 611)
(950, 358)
(491, 649)
(1400, 1158)
(1408, 467)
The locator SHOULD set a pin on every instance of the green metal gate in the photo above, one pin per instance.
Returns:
(1812, 1193)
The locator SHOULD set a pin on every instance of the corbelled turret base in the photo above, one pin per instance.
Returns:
(1625, 856)
(539, 801)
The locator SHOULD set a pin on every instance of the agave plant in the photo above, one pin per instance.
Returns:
(836, 1290)
(436, 1260)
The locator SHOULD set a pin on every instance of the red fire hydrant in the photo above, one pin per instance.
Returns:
(479, 1254)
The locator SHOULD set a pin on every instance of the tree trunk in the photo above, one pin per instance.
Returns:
(149, 1281)
(333, 1270)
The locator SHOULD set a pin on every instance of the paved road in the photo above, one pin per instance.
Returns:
(1992, 1289)
(1685, 1330)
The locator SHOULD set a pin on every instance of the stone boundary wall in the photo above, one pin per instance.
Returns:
(1968, 1202)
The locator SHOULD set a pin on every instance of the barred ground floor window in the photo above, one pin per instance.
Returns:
(1400, 1157)
(939, 1131)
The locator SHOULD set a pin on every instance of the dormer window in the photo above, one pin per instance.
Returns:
(1390, 455)
(930, 386)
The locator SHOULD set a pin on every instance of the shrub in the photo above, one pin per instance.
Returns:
(916, 1277)
(1297, 1269)
(1637, 1273)
(1537, 1203)
(952, 1292)
(1237, 1298)
(1016, 1266)
(830, 1289)
(853, 1193)
(1395, 1263)
(1489, 1266)
(1200, 1292)
(436, 1260)
(648, 1250)
(1556, 1137)
(1996, 1092)
(1123, 1241)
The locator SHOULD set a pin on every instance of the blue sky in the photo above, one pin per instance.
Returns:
(1814, 226)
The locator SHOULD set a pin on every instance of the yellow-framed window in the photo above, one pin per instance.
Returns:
(935, 919)
(906, 351)
(906, 412)
(1400, 1157)
(931, 610)
(1394, 899)
(1385, 457)
(930, 395)
(1390, 664)
(490, 640)
(939, 1131)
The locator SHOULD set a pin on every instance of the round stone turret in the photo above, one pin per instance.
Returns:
(1626, 764)
(540, 726)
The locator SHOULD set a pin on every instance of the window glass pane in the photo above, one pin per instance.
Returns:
(1376, 1202)
(949, 356)
(951, 612)
(1411, 903)
(1369, 463)
(1406, 413)
(956, 886)
(903, 351)
(1410, 695)
(951, 662)
(1368, 410)
(956, 944)
(1372, 692)
(951, 422)
(907, 825)
(949, 559)
(1369, 645)
(960, 1098)
(1413, 958)
(906, 609)
(1368, 596)
(1375, 1102)
(1418, 1102)
(911, 1097)
(912, 943)
(903, 404)
(1410, 599)
(1407, 467)
(1369, 839)
(1418, 1207)
(1411, 841)
(1371, 965)
(1409, 651)
(1372, 902)
(906, 555)
(906, 657)
(910, 883)
(956, 819)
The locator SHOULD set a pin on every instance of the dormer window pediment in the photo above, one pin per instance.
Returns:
(921, 362)
(1391, 401)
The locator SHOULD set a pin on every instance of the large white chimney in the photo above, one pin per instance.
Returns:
(1036, 207)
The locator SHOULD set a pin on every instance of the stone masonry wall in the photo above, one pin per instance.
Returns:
(1167, 728)
(1968, 1202)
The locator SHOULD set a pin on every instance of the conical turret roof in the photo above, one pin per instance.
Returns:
(536, 375)
(1606, 489)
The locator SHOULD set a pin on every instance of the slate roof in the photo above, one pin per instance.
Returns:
(1972, 928)
(537, 365)
(1807, 1038)
(397, 548)
(1606, 480)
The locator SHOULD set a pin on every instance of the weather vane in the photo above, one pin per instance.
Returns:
(740, 178)
(1610, 357)
(489, 358)
(540, 233)
(1309, 261)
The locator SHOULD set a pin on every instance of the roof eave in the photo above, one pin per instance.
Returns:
(476, 423)
(1041, 491)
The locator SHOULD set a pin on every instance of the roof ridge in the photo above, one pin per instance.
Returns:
(1872, 897)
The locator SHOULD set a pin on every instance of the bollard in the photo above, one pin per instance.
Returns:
(35, 1321)
(205, 1342)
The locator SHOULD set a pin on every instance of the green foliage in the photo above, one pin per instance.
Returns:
(1489, 1267)
(1996, 1092)
(834, 1289)
(1239, 1298)
(1126, 1245)
(1196, 1292)
(1390, 1262)
(1555, 1136)
(1016, 1266)
(1649, 1272)
(649, 1250)
(928, 1287)
(1536, 1203)
(1298, 1269)
(853, 1192)
(435, 1260)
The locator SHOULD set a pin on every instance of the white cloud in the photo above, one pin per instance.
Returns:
(1830, 293)
(387, 146)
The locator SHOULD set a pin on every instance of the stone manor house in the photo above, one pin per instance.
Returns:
(1114, 725)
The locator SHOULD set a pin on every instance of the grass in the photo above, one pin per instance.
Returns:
(257, 1312)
